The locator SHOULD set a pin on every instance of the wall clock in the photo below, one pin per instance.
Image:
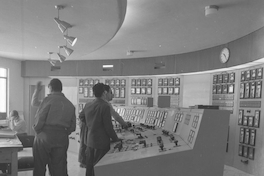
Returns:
(224, 55)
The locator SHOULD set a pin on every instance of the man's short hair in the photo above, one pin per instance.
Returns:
(14, 113)
(55, 85)
(98, 90)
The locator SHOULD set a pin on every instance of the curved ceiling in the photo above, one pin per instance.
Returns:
(107, 29)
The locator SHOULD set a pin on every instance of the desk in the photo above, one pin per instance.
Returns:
(8, 153)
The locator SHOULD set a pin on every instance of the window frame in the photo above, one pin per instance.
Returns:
(3, 115)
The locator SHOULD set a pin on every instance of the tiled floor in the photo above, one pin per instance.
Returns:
(75, 170)
(230, 171)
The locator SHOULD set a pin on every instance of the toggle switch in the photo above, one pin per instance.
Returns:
(143, 142)
(176, 142)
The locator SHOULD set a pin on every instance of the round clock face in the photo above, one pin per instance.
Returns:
(224, 55)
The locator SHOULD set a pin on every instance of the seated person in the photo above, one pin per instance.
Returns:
(17, 123)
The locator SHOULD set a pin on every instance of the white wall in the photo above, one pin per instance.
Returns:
(196, 90)
(15, 84)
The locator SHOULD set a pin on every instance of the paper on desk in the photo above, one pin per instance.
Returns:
(8, 142)
(7, 133)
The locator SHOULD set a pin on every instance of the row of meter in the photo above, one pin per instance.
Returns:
(148, 116)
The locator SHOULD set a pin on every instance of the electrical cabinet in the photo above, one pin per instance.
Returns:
(249, 145)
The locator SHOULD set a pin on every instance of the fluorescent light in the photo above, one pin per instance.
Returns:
(108, 66)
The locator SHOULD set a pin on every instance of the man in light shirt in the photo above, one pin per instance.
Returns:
(17, 124)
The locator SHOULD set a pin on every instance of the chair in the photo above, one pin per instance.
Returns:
(26, 163)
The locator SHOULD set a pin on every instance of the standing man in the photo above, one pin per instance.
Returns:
(100, 129)
(108, 96)
(83, 137)
(35, 97)
(35, 101)
(55, 120)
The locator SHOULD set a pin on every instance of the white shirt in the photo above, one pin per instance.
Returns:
(18, 125)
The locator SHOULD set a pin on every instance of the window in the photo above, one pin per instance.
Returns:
(3, 93)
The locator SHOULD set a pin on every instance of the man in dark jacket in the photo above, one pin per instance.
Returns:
(55, 120)
(100, 129)
(108, 96)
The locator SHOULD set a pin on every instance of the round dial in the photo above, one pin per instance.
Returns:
(224, 55)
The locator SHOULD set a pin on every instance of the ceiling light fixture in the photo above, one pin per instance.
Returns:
(70, 40)
(63, 25)
(211, 9)
(61, 57)
(52, 62)
(68, 51)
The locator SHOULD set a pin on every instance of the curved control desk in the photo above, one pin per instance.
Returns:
(168, 142)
